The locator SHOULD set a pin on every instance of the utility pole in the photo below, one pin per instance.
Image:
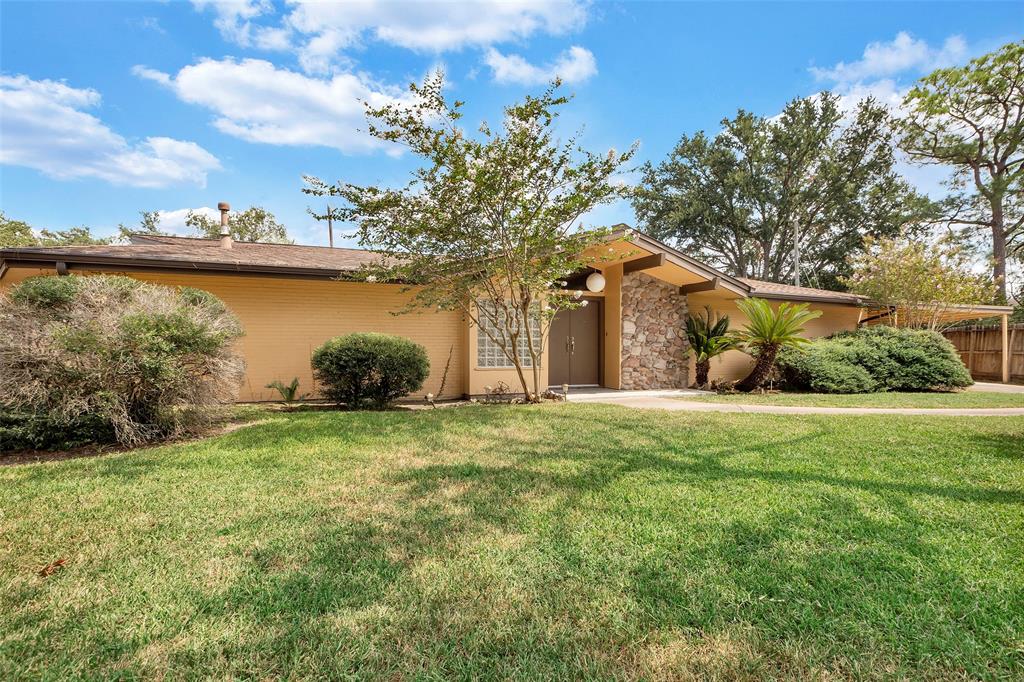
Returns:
(796, 251)
(330, 226)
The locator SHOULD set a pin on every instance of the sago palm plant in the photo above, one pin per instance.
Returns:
(709, 336)
(769, 330)
(289, 392)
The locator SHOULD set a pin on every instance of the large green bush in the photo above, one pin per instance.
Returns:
(109, 354)
(374, 369)
(878, 358)
(824, 368)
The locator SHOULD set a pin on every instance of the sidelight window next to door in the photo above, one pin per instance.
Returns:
(575, 346)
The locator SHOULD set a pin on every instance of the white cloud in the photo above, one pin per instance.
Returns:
(902, 54)
(259, 102)
(575, 65)
(887, 69)
(318, 31)
(886, 92)
(149, 24)
(174, 221)
(43, 127)
(235, 21)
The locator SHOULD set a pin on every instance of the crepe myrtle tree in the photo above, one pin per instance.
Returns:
(489, 224)
(919, 281)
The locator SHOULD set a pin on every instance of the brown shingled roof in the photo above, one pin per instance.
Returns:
(153, 251)
(204, 254)
(763, 289)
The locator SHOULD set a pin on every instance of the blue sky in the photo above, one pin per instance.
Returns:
(110, 108)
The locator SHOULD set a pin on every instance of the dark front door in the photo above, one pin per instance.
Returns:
(575, 351)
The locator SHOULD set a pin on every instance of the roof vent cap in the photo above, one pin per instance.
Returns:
(225, 233)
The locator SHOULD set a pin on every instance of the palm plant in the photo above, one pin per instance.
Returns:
(769, 330)
(709, 336)
(289, 392)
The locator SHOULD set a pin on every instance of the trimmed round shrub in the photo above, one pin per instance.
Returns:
(114, 355)
(893, 359)
(370, 369)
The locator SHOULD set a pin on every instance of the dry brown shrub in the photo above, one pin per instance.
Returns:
(148, 360)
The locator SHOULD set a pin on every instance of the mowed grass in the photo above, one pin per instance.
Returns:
(550, 542)
(965, 399)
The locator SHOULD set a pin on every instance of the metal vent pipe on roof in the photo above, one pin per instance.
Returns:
(225, 233)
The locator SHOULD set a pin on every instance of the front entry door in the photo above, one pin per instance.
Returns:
(575, 351)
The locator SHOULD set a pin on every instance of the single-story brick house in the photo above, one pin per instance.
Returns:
(290, 299)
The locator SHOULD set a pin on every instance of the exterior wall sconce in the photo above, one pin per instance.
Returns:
(595, 282)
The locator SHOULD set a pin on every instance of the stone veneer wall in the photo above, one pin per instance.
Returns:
(654, 345)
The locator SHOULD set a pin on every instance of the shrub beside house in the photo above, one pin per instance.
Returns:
(110, 357)
(369, 369)
(872, 359)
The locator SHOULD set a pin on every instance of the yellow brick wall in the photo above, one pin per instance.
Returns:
(286, 319)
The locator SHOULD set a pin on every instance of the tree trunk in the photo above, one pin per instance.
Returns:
(762, 369)
(536, 379)
(514, 356)
(999, 250)
(522, 378)
(703, 367)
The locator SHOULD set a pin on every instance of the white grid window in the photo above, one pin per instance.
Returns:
(489, 353)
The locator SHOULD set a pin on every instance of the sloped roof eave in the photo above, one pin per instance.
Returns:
(22, 258)
(680, 259)
(852, 300)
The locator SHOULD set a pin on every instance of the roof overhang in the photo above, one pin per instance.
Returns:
(23, 258)
(671, 256)
(950, 314)
(809, 298)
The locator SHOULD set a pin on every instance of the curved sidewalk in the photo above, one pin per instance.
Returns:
(676, 400)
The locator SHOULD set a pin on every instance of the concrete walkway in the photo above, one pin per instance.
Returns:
(990, 387)
(676, 400)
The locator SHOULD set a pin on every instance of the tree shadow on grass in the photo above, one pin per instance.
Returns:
(848, 581)
(507, 560)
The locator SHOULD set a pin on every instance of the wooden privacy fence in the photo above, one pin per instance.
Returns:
(981, 349)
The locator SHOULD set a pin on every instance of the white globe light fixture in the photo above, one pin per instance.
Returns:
(595, 282)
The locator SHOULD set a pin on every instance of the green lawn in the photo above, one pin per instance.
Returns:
(559, 541)
(966, 399)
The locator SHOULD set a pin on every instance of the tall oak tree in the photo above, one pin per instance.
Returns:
(814, 177)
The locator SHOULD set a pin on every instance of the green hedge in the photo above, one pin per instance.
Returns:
(31, 431)
(872, 359)
(370, 369)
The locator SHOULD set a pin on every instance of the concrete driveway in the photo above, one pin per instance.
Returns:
(675, 399)
(991, 387)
